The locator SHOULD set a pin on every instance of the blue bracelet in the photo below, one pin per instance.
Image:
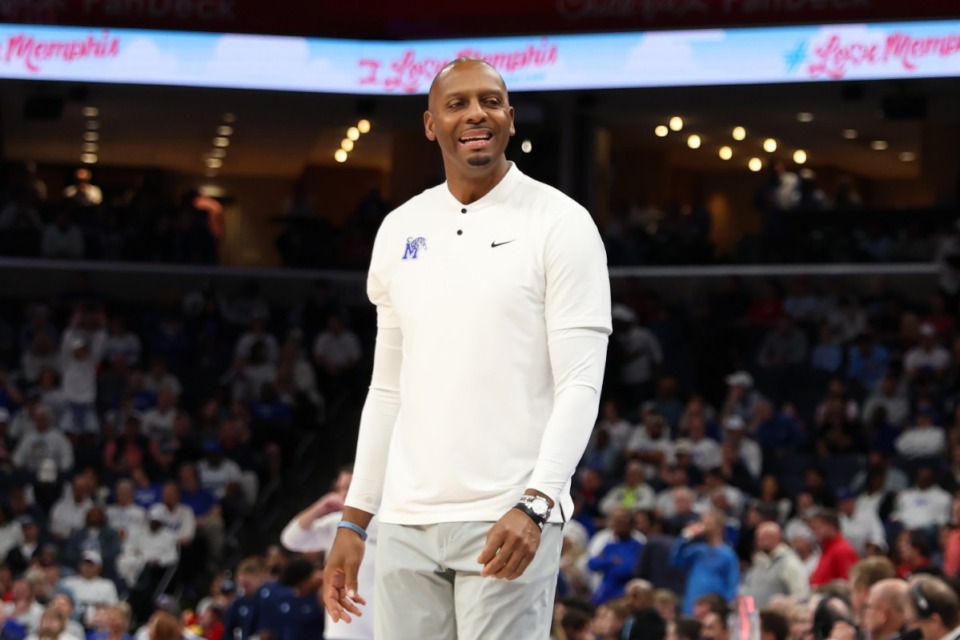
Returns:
(357, 529)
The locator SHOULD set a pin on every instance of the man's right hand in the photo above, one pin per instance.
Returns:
(340, 595)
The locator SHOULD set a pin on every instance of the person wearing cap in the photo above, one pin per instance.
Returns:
(89, 588)
(734, 434)
(43, 443)
(837, 555)
(928, 360)
(925, 439)
(859, 523)
(741, 397)
(147, 554)
(80, 354)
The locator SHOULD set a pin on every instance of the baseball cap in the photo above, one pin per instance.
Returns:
(94, 557)
(845, 493)
(740, 378)
(157, 512)
(734, 423)
(928, 330)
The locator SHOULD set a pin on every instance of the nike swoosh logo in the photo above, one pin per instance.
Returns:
(494, 245)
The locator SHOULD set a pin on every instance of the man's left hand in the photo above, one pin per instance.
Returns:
(512, 543)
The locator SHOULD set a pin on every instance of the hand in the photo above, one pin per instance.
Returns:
(693, 530)
(843, 631)
(511, 544)
(340, 595)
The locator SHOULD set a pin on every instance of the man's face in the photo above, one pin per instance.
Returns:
(713, 628)
(470, 117)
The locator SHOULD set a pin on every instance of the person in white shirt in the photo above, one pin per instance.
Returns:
(734, 432)
(157, 423)
(313, 530)
(651, 443)
(42, 444)
(928, 360)
(23, 606)
(218, 473)
(861, 526)
(776, 570)
(153, 546)
(69, 513)
(891, 398)
(125, 515)
(633, 493)
(257, 334)
(88, 588)
(336, 350)
(82, 191)
(705, 451)
(493, 307)
(924, 439)
(159, 378)
(177, 516)
(121, 342)
(924, 504)
(80, 354)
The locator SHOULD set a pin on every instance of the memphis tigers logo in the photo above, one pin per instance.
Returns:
(413, 247)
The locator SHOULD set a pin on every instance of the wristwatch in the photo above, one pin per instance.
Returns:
(536, 507)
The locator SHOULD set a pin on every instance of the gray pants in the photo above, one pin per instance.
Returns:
(428, 586)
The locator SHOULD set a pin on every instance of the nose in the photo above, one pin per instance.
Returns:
(475, 112)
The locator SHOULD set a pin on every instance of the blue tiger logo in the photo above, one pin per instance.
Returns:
(413, 246)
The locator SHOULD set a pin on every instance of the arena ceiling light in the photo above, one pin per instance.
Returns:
(804, 116)
(224, 130)
(769, 145)
(755, 164)
(526, 146)
(879, 145)
(661, 131)
(340, 156)
(676, 123)
(739, 134)
(800, 156)
(347, 144)
(725, 153)
(907, 156)
(849, 134)
(90, 112)
(363, 126)
(694, 141)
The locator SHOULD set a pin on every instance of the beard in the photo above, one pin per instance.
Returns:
(479, 161)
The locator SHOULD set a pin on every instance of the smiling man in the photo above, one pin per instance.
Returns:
(493, 311)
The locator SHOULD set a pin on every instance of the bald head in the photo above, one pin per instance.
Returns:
(769, 536)
(436, 87)
(886, 607)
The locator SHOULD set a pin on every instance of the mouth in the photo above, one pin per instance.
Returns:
(476, 138)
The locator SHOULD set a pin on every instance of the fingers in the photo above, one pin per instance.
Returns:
(495, 566)
(495, 539)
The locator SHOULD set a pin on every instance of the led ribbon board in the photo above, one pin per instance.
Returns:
(535, 63)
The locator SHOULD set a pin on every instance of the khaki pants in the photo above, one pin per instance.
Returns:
(428, 586)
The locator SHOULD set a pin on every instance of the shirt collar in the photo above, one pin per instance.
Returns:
(496, 196)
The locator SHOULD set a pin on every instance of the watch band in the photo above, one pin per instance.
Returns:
(539, 516)
(520, 506)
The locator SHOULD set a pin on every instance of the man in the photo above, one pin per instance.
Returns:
(776, 569)
(242, 617)
(888, 396)
(88, 588)
(644, 621)
(715, 627)
(617, 559)
(837, 555)
(493, 312)
(774, 625)
(932, 609)
(746, 448)
(924, 505)
(297, 614)
(885, 610)
(864, 575)
(633, 493)
(714, 566)
(43, 443)
(651, 443)
(69, 513)
(125, 515)
(859, 523)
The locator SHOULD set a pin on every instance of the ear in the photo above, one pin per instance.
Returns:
(428, 126)
(513, 130)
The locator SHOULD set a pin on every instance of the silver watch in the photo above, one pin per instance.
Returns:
(536, 507)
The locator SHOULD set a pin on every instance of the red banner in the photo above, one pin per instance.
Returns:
(402, 19)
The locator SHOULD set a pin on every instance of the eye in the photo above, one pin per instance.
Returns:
(455, 104)
(492, 101)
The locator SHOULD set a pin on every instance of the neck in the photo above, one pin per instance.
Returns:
(469, 189)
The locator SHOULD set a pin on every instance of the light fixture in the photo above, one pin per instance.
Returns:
(221, 141)
(739, 133)
(526, 146)
(93, 125)
(676, 123)
(218, 152)
(755, 164)
(363, 126)
(214, 163)
(90, 136)
(693, 141)
(340, 155)
(769, 145)
(224, 130)
(229, 118)
(800, 156)
(661, 131)
(88, 158)
(726, 153)
(90, 112)
(805, 116)
(89, 147)
(849, 134)
(879, 145)
(907, 156)
(353, 133)
(346, 144)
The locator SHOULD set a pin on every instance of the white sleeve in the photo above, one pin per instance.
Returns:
(377, 421)
(319, 537)
(577, 358)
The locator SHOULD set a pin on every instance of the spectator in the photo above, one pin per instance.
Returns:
(149, 552)
(69, 514)
(715, 627)
(207, 512)
(20, 556)
(913, 551)
(62, 239)
(925, 504)
(89, 589)
(848, 319)
(81, 352)
(302, 617)
(924, 439)
(650, 442)
(641, 356)
(742, 398)
(734, 434)
(618, 558)
(951, 547)
(82, 192)
(40, 355)
(704, 451)
(43, 444)
(864, 575)
(888, 395)
(676, 505)
(932, 608)
(123, 453)
(774, 625)
(63, 602)
(783, 347)
(633, 493)
(97, 536)
(121, 342)
(838, 557)
(890, 478)
(241, 618)
(158, 422)
(928, 361)
(827, 355)
(713, 565)
(177, 516)
(779, 434)
(125, 515)
(115, 620)
(861, 527)
(160, 378)
(257, 334)
(867, 362)
(642, 621)
(337, 350)
(776, 569)
(23, 606)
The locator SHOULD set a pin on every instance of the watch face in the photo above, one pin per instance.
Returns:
(539, 507)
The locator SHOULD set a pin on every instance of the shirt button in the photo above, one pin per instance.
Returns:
(459, 232)
(464, 210)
